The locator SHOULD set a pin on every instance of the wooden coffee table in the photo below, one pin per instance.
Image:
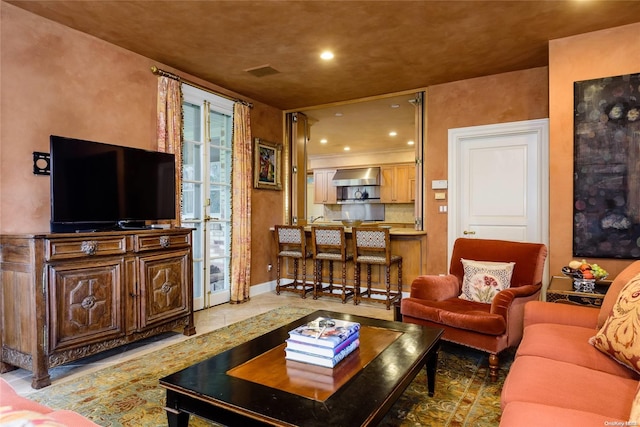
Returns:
(253, 385)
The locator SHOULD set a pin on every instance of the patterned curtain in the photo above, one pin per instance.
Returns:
(241, 204)
(169, 129)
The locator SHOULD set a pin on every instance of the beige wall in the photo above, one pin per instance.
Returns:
(501, 98)
(610, 52)
(59, 81)
(523, 95)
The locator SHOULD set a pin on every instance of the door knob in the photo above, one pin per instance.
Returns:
(465, 232)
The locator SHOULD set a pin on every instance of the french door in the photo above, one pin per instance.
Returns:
(206, 192)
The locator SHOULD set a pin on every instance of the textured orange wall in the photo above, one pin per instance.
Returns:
(59, 81)
(610, 52)
(501, 98)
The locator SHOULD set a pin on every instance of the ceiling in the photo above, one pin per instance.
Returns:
(380, 47)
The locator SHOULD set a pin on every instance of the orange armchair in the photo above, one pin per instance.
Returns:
(492, 327)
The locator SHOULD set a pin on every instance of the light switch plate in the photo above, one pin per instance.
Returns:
(439, 184)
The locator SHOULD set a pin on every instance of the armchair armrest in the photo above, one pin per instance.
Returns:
(503, 299)
(435, 288)
(564, 314)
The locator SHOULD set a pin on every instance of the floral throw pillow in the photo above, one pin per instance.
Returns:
(619, 337)
(484, 279)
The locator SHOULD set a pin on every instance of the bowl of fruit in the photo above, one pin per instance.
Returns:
(584, 275)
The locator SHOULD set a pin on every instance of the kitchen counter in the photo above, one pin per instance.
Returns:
(409, 243)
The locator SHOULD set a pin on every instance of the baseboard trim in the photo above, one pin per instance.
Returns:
(263, 288)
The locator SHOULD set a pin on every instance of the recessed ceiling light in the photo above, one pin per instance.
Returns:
(347, 148)
(393, 133)
(395, 105)
(323, 141)
(326, 55)
(410, 142)
(338, 114)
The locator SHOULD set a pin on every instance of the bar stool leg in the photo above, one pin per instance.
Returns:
(344, 282)
(400, 278)
(356, 283)
(388, 283)
(278, 276)
(303, 285)
(317, 277)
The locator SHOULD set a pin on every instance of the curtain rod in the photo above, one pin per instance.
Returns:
(158, 72)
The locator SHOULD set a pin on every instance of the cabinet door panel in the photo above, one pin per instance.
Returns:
(85, 303)
(164, 285)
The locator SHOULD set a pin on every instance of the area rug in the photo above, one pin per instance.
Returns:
(128, 394)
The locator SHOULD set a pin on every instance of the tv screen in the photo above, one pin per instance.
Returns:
(97, 186)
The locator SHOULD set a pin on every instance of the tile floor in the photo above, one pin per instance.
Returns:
(206, 321)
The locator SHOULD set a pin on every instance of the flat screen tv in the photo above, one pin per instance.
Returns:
(97, 186)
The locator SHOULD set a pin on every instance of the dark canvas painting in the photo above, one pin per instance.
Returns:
(606, 222)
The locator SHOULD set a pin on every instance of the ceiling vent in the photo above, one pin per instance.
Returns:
(262, 71)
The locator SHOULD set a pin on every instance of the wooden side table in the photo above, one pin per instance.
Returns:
(561, 290)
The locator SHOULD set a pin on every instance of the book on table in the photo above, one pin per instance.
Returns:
(314, 359)
(320, 350)
(324, 332)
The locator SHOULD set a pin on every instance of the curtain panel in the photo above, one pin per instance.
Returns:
(241, 183)
(169, 129)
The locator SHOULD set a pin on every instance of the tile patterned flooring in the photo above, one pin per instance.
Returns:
(206, 321)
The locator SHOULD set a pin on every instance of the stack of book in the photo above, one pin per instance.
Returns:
(323, 341)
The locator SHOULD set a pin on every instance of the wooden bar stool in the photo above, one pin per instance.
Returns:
(372, 246)
(329, 244)
(292, 243)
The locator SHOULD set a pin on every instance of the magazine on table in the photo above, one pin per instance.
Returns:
(328, 362)
(320, 350)
(325, 332)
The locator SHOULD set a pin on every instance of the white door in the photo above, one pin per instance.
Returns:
(499, 182)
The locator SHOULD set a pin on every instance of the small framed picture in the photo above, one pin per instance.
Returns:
(267, 167)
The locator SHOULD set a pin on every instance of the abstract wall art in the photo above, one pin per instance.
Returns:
(606, 221)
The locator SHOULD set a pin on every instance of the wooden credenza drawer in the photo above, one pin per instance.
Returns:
(162, 241)
(56, 249)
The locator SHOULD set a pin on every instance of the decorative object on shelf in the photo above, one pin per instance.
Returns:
(584, 275)
(267, 165)
(606, 220)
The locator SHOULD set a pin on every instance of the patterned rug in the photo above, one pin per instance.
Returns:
(128, 394)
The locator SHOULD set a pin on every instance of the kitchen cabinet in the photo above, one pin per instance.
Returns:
(65, 296)
(396, 183)
(324, 190)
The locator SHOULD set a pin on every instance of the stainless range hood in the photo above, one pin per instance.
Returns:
(355, 177)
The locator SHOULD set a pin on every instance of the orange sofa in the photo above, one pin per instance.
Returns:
(18, 410)
(559, 378)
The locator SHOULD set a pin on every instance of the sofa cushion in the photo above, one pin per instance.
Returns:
(568, 343)
(456, 312)
(544, 381)
(634, 417)
(19, 417)
(518, 414)
(611, 296)
(483, 279)
(618, 337)
(9, 397)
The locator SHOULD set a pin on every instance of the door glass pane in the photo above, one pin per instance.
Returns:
(191, 200)
(192, 117)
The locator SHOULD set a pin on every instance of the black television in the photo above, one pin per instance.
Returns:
(97, 186)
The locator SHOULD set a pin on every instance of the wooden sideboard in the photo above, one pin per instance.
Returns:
(65, 296)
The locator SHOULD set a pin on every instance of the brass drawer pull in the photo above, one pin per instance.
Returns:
(89, 247)
(165, 241)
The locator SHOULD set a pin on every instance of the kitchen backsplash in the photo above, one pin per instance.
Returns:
(396, 212)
